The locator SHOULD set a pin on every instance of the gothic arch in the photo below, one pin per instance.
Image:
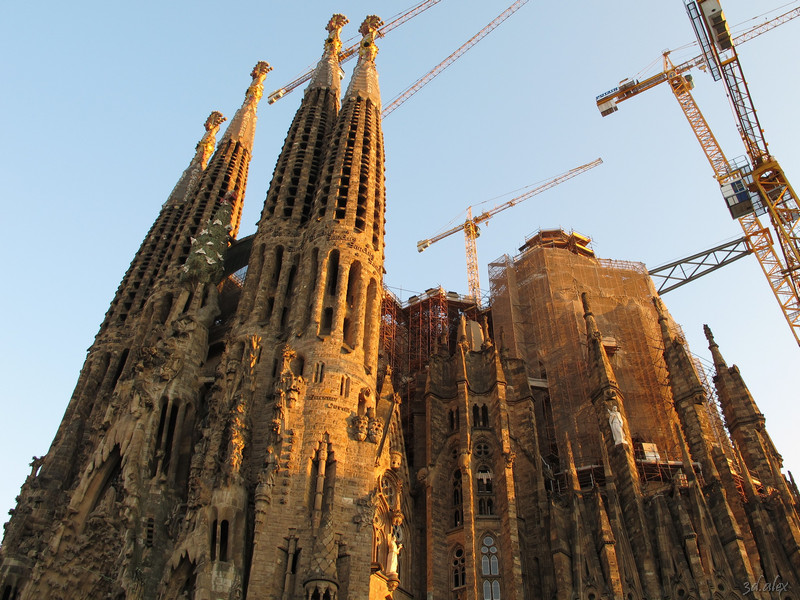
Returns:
(389, 522)
(100, 482)
(181, 582)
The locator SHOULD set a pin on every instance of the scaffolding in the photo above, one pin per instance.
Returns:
(537, 312)
(390, 341)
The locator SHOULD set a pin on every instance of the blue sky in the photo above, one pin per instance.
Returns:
(104, 102)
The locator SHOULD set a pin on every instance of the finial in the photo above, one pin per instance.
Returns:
(719, 362)
(259, 73)
(205, 147)
(369, 29)
(214, 120)
(662, 319)
(333, 45)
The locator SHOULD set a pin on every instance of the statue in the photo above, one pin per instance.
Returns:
(615, 422)
(394, 553)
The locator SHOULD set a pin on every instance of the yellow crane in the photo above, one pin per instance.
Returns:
(472, 231)
(749, 188)
(628, 88)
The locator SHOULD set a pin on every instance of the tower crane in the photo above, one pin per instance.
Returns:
(425, 79)
(749, 188)
(350, 51)
(472, 231)
(628, 88)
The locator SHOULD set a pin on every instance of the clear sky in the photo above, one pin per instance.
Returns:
(103, 103)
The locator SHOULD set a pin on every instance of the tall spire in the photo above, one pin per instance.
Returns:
(297, 171)
(328, 73)
(719, 362)
(689, 395)
(203, 151)
(243, 125)
(137, 283)
(364, 81)
(601, 371)
(226, 174)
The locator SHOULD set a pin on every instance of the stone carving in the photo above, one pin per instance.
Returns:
(206, 145)
(396, 460)
(333, 44)
(259, 73)
(35, 465)
(615, 422)
(375, 427)
(237, 440)
(361, 424)
(367, 507)
(266, 479)
(365, 423)
(289, 386)
(369, 29)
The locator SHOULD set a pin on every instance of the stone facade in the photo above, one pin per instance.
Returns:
(236, 431)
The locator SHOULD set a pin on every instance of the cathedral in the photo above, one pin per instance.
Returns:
(260, 419)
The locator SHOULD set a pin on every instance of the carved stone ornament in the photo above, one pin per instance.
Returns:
(361, 424)
(375, 430)
(396, 460)
(366, 509)
(369, 29)
(289, 385)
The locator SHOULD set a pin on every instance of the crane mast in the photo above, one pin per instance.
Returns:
(749, 189)
(767, 178)
(472, 231)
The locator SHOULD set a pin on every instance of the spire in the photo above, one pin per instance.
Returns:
(689, 395)
(601, 372)
(204, 150)
(364, 82)
(243, 125)
(719, 362)
(226, 174)
(322, 576)
(297, 171)
(136, 285)
(569, 469)
(328, 73)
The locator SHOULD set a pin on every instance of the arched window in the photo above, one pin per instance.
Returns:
(476, 416)
(459, 572)
(484, 416)
(457, 499)
(484, 477)
(485, 506)
(490, 568)
(453, 419)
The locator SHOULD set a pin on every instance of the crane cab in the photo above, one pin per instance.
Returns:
(738, 198)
